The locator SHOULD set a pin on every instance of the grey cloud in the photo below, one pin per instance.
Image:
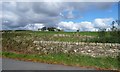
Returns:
(103, 5)
(23, 6)
(46, 13)
(50, 9)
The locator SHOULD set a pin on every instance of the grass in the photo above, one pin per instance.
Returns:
(75, 60)
(48, 36)
(71, 36)
(51, 33)
(27, 37)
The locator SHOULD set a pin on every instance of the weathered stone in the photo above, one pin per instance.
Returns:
(92, 49)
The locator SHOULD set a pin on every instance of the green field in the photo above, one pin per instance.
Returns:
(50, 36)
(11, 48)
(68, 36)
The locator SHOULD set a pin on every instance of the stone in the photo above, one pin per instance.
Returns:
(89, 51)
(75, 51)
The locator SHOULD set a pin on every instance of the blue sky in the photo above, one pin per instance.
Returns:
(68, 16)
(90, 15)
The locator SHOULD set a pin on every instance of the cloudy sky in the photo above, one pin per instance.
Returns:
(69, 16)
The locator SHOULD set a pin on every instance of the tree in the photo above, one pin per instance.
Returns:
(39, 29)
(115, 31)
(113, 26)
(43, 29)
(77, 30)
(58, 29)
(51, 28)
(118, 22)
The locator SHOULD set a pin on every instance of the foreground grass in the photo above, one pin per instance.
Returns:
(66, 59)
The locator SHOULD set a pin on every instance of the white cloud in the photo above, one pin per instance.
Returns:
(103, 22)
(72, 26)
(68, 26)
(32, 26)
(86, 26)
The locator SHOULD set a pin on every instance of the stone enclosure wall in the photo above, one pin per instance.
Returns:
(35, 45)
(92, 49)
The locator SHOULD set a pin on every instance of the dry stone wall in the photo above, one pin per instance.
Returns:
(92, 49)
(33, 45)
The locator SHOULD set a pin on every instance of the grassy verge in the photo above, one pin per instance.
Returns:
(66, 59)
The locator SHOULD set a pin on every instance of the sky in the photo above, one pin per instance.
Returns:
(68, 16)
